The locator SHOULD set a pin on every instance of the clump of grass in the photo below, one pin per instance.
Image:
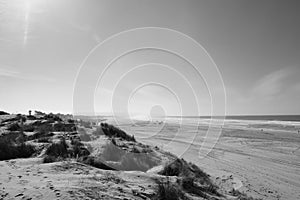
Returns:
(28, 128)
(62, 127)
(10, 150)
(50, 159)
(181, 168)
(14, 127)
(52, 117)
(44, 129)
(168, 191)
(192, 179)
(189, 185)
(56, 152)
(112, 131)
(3, 113)
(15, 137)
(58, 149)
(78, 149)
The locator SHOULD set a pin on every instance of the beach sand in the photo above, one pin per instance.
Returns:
(262, 163)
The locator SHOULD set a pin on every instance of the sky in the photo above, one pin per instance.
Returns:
(254, 44)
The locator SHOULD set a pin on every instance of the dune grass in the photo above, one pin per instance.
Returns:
(167, 191)
(191, 179)
(10, 150)
(112, 131)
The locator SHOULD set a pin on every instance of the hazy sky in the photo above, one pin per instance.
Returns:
(255, 44)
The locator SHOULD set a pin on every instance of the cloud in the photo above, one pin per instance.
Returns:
(8, 71)
(272, 84)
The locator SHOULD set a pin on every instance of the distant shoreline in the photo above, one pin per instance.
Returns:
(293, 118)
(248, 117)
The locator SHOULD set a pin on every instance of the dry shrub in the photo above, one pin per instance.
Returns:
(167, 191)
(9, 150)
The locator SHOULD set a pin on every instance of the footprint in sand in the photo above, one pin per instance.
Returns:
(26, 198)
(57, 193)
(3, 193)
(19, 195)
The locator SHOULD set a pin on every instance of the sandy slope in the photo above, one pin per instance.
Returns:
(29, 179)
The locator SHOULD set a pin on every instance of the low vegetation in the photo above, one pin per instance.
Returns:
(10, 150)
(167, 191)
(3, 113)
(112, 131)
(190, 180)
(60, 150)
(61, 141)
(14, 127)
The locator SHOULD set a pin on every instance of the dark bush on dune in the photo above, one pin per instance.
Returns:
(3, 113)
(78, 149)
(71, 121)
(56, 152)
(52, 117)
(167, 191)
(14, 137)
(50, 159)
(44, 128)
(31, 117)
(28, 128)
(112, 131)
(63, 127)
(181, 168)
(59, 149)
(188, 184)
(9, 150)
(14, 127)
(193, 180)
